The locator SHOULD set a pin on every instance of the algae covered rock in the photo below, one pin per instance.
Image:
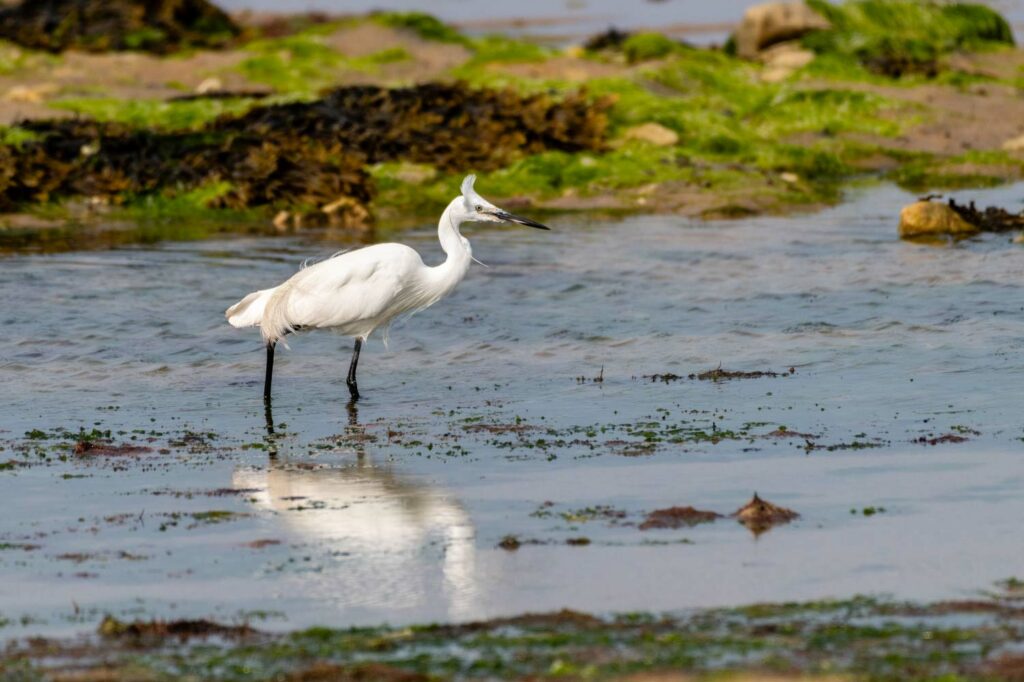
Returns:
(775, 22)
(159, 26)
(932, 218)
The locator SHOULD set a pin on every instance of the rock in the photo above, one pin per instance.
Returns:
(782, 60)
(931, 217)
(775, 22)
(655, 133)
(30, 94)
(212, 84)
(1015, 144)
(281, 220)
(347, 212)
(414, 173)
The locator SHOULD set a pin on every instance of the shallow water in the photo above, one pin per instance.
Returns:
(483, 410)
(697, 21)
(700, 21)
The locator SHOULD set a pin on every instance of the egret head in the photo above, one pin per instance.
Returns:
(480, 210)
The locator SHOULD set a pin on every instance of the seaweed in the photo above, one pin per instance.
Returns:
(856, 638)
(111, 627)
(612, 39)
(449, 126)
(989, 219)
(677, 517)
(311, 157)
(160, 26)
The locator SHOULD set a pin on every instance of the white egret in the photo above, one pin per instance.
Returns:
(356, 292)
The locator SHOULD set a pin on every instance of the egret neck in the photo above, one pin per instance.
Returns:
(455, 246)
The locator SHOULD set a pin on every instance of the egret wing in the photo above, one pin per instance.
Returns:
(351, 291)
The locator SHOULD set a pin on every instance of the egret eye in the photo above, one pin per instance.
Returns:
(479, 208)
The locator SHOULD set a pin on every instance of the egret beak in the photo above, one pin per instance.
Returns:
(513, 218)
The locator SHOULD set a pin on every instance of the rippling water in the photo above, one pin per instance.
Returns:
(483, 410)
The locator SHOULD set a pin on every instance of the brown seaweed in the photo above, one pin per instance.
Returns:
(160, 26)
(308, 156)
(989, 219)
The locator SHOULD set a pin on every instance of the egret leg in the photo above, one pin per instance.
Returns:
(270, 371)
(268, 415)
(353, 389)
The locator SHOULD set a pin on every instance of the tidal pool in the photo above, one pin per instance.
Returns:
(893, 427)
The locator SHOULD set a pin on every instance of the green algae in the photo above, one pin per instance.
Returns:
(422, 24)
(643, 47)
(733, 128)
(978, 168)
(147, 113)
(300, 63)
(724, 112)
(192, 211)
(898, 37)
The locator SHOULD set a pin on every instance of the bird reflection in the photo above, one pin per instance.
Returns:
(391, 541)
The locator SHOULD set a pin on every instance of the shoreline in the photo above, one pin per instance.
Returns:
(967, 639)
(690, 131)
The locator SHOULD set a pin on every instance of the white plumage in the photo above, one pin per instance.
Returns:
(353, 293)
(357, 292)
